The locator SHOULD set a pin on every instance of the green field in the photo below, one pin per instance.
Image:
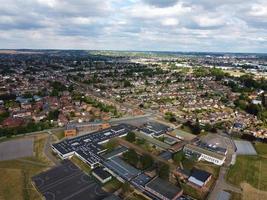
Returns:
(250, 169)
(113, 185)
(83, 166)
(15, 176)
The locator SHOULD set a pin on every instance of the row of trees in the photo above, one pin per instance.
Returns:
(30, 127)
(143, 162)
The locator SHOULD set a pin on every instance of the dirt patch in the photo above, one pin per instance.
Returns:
(250, 192)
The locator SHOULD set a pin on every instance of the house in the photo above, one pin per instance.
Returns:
(22, 113)
(102, 175)
(163, 189)
(199, 177)
(62, 120)
(39, 117)
(12, 122)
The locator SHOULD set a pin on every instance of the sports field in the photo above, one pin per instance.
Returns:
(249, 172)
(16, 174)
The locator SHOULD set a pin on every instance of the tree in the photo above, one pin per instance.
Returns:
(53, 115)
(146, 161)
(131, 157)
(111, 144)
(178, 157)
(170, 117)
(127, 83)
(164, 171)
(130, 137)
(196, 129)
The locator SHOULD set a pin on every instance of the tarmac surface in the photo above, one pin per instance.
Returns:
(15, 149)
(67, 182)
(244, 148)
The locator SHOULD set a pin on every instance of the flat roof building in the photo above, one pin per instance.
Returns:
(163, 189)
(199, 177)
(204, 154)
(88, 147)
(102, 174)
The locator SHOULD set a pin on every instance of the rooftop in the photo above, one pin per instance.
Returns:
(205, 151)
(101, 173)
(164, 188)
(121, 168)
(89, 146)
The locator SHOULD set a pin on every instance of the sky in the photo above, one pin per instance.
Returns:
(145, 25)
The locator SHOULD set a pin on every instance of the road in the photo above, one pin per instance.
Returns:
(221, 183)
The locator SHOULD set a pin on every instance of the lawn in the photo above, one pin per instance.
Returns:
(261, 149)
(112, 186)
(60, 135)
(250, 169)
(16, 174)
(83, 166)
(135, 196)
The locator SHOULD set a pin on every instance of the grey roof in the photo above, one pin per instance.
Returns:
(121, 168)
(115, 152)
(101, 173)
(88, 146)
(154, 128)
(142, 180)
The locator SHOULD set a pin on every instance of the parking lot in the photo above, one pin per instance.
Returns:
(15, 149)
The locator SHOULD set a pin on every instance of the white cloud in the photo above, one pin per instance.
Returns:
(190, 25)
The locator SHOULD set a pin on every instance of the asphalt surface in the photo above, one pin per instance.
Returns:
(67, 182)
(14, 149)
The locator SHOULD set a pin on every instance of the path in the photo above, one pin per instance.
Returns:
(47, 149)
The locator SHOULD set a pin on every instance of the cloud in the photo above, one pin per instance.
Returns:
(181, 25)
(161, 3)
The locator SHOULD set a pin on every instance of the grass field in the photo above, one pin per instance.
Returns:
(112, 186)
(252, 193)
(251, 169)
(60, 135)
(261, 149)
(135, 196)
(16, 174)
(77, 161)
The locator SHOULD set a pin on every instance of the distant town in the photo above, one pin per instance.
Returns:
(114, 125)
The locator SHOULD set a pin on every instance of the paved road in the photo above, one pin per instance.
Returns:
(221, 183)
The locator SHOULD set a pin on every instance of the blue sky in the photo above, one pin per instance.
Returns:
(170, 25)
